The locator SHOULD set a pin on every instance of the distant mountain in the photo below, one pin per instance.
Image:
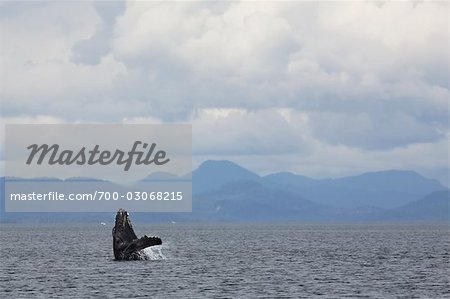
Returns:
(433, 207)
(384, 189)
(212, 175)
(161, 176)
(83, 179)
(291, 181)
(251, 201)
(391, 180)
(225, 191)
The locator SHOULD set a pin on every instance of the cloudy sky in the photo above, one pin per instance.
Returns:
(324, 89)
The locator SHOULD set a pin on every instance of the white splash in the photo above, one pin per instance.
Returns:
(154, 253)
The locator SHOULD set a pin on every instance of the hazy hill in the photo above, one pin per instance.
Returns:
(433, 207)
(251, 201)
(384, 189)
(225, 191)
(211, 175)
(291, 181)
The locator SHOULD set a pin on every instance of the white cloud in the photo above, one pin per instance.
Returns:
(362, 80)
(230, 132)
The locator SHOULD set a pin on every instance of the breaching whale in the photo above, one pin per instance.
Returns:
(126, 244)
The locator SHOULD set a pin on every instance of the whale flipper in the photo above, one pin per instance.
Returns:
(126, 244)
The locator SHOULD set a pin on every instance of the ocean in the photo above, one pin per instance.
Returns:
(228, 261)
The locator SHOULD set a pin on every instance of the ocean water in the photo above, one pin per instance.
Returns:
(228, 261)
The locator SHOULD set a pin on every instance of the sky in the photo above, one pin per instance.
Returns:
(323, 89)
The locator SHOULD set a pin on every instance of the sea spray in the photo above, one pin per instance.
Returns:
(154, 253)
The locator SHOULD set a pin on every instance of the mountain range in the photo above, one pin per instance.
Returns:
(224, 191)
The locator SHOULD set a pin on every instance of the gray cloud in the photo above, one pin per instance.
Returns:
(91, 50)
(303, 78)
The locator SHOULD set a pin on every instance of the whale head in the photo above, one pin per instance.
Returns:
(123, 229)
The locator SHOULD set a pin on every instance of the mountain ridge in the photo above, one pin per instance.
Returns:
(225, 191)
(389, 189)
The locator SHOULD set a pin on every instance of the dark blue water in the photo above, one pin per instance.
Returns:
(232, 261)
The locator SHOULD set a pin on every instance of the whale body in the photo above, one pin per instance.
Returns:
(126, 244)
